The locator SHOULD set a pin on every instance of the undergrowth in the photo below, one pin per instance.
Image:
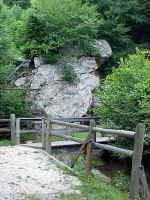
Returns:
(92, 188)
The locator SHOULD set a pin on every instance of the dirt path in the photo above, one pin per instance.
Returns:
(27, 174)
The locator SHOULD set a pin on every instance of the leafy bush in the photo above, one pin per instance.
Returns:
(11, 101)
(52, 24)
(125, 95)
(68, 74)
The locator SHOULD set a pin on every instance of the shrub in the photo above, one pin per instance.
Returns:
(68, 74)
(52, 24)
(11, 101)
(124, 96)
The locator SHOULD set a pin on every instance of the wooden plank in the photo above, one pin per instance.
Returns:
(113, 149)
(92, 133)
(43, 134)
(30, 131)
(31, 119)
(136, 161)
(77, 119)
(69, 138)
(129, 134)
(59, 144)
(82, 148)
(13, 129)
(144, 188)
(5, 130)
(89, 158)
(69, 131)
(80, 151)
(48, 136)
(74, 125)
(4, 120)
(17, 131)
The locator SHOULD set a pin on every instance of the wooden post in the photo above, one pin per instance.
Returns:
(93, 133)
(17, 131)
(48, 136)
(13, 129)
(89, 158)
(136, 161)
(89, 148)
(43, 134)
(144, 188)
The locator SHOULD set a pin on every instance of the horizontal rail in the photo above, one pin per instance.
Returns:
(68, 131)
(4, 130)
(101, 146)
(18, 89)
(30, 131)
(114, 149)
(30, 119)
(4, 120)
(68, 137)
(78, 119)
(129, 134)
(69, 124)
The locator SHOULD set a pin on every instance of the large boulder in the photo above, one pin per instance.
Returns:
(59, 98)
(62, 99)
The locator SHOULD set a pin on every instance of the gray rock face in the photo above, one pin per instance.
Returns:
(61, 99)
(104, 51)
(21, 81)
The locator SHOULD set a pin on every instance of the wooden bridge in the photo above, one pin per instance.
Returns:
(138, 185)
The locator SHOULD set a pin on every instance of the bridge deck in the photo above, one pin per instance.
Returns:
(68, 143)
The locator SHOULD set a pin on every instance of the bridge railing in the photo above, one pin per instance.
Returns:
(138, 179)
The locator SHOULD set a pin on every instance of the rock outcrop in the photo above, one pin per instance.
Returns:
(61, 99)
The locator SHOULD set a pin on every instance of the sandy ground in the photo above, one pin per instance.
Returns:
(27, 172)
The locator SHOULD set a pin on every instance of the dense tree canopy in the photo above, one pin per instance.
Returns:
(22, 3)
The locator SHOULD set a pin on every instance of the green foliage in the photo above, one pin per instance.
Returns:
(68, 74)
(93, 188)
(121, 181)
(11, 101)
(50, 25)
(8, 22)
(125, 95)
(4, 39)
(5, 142)
(22, 3)
(123, 23)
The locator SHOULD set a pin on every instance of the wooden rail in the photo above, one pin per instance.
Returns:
(138, 178)
(137, 175)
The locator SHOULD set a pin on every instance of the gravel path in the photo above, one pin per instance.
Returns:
(26, 173)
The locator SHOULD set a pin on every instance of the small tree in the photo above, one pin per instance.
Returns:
(125, 95)
(50, 25)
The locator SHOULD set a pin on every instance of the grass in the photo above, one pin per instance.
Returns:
(93, 188)
(31, 197)
(5, 142)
